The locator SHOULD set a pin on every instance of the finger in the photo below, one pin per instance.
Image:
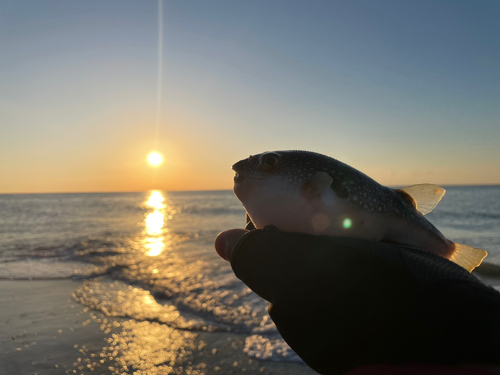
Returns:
(225, 241)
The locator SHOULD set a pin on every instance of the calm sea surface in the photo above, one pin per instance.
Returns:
(155, 249)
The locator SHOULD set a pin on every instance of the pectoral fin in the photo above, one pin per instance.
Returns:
(317, 184)
(423, 197)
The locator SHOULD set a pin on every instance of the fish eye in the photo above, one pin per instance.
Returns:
(269, 161)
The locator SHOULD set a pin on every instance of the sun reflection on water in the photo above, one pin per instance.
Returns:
(155, 223)
(155, 246)
(155, 200)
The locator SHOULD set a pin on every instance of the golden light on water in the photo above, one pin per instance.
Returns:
(155, 159)
(155, 200)
(154, 224)
(155, 248)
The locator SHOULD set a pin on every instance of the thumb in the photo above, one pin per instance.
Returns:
(225, 241)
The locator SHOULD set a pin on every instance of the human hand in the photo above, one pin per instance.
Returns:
(355, 297)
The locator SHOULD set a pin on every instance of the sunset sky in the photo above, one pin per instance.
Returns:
(405, 91)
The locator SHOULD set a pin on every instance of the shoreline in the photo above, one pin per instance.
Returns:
(46, 332)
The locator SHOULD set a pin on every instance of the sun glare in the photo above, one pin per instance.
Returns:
(156, 200)
(155, 159)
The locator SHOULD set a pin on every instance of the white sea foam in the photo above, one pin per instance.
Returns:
(268, 349)
(44, 269)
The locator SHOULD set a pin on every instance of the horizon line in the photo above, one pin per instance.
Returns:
(204, 190)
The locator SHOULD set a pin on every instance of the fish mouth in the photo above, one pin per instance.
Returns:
(238, 173)
(239, 186)
(237, 177)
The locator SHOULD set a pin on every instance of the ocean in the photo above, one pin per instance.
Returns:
(148, 257)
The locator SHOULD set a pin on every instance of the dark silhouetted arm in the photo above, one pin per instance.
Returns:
(342, 303)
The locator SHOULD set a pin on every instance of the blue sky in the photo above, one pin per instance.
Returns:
(405, 91)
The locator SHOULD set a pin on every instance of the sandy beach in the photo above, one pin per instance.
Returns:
(45, 331)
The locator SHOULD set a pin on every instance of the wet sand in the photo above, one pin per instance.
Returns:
(45, 331)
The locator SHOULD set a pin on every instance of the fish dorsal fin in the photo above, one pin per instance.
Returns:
(406, 197)
(424, 197)
(317, 184)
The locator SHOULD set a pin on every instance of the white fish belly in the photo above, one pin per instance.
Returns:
(326, 214)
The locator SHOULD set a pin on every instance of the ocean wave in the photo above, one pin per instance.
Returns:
(217, 297)
(185, 273)
(122, 300)
(32, 269)
(217, 211)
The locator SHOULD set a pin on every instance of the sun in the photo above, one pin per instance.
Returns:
(155, 159)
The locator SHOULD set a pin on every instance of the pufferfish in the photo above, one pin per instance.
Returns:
(307, 192)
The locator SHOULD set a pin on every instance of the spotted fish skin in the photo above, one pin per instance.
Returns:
(303, 191)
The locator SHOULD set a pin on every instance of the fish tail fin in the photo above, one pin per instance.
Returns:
(467, 257)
